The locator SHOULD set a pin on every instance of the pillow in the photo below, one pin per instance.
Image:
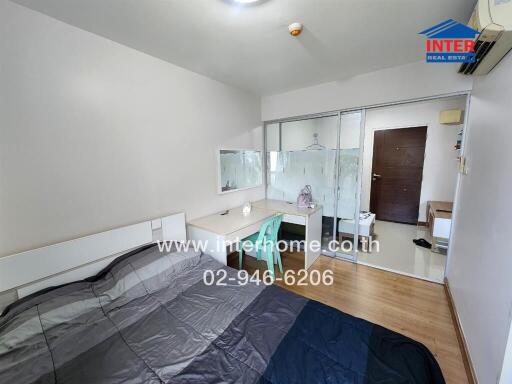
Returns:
(135, 273)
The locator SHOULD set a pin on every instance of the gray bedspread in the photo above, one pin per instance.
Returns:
(150, 318)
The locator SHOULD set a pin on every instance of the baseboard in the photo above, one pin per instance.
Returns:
(422, 224)
(390, 270)
(466, 357)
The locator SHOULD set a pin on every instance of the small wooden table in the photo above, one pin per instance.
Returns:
(439, 220)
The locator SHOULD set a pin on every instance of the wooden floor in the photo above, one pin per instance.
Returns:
(413, 307)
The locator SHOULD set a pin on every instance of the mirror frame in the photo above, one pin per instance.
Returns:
(219, 176)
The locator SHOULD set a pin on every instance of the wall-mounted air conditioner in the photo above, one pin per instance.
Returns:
(493, 18)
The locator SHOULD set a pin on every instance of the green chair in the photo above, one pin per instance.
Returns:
(265, 240)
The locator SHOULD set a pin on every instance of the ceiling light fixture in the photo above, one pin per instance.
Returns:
(246, 1)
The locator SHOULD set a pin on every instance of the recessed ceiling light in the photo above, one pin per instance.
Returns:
(246, 1)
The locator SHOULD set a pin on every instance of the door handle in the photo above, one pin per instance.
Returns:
(375, 176)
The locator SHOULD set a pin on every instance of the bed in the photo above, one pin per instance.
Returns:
(149, 317)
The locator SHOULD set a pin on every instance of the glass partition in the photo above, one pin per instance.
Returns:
(349, 184)
(301, 153)
(324, 153)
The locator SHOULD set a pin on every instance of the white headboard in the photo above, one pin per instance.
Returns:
(61, 263)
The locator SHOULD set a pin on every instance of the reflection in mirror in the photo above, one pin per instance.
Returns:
(239, 169)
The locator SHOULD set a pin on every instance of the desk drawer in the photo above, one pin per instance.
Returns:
(244, 232)
(294, 219)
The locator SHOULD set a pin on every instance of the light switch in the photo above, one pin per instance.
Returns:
(463, 168)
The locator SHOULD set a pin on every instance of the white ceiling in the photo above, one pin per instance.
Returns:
(249, 46)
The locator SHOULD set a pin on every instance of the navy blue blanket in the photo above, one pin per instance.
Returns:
(325, 345)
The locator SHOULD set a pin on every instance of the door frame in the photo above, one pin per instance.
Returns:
(415, 125)
(466, 128)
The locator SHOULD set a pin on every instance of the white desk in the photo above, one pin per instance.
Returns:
(366, 224)
(219, 230)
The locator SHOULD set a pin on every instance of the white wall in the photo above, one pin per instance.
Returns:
(405, 82)
(480, 259)
(440, 167)
(95, 135)
(506, 370)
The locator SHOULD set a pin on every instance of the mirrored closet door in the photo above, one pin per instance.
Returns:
(348, 182)
(324, 153)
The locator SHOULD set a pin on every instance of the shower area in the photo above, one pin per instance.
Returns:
(324, 152)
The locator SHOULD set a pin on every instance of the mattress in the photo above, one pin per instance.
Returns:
(151, 317)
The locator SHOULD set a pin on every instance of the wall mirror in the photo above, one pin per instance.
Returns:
(239, 169)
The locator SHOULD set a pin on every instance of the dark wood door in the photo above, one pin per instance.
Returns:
(397, 171)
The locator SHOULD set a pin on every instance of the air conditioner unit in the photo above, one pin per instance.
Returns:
(493, 19)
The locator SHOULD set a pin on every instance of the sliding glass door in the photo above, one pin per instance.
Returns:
(301, 153)
(348, 183)
(324, 153)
